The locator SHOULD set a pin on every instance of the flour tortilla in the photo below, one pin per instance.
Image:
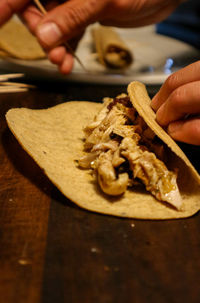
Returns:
(17, 42)
(141, 101)
(3, 54)
(54, 138)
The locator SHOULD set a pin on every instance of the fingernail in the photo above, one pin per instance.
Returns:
(174, 127)
(160, 114)
(154, 101)
(49, 33)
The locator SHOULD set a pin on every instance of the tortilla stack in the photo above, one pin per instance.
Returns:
(17, 42)
(54, 138)
(111, 49)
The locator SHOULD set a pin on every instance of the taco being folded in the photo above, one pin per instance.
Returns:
(125, 165)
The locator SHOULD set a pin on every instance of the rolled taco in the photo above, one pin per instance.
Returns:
(122, 164)
(111, 49)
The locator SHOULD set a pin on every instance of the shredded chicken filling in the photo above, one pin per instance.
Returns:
(123, 151)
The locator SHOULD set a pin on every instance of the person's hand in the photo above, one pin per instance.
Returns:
(67, 21)
(177, 104)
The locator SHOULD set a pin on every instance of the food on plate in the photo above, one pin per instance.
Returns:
(142, 173)
(17, 42)
(111, 49)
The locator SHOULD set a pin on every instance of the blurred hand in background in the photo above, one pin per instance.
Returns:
(67, 21)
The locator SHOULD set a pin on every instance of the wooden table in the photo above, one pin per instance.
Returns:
(52, 251)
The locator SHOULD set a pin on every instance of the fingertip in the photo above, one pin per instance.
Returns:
(187, 131)
(153, 103)
(161, 116)
(67, 65)
(175, 127)
(174, 131)
(57, 55)
(157, 101)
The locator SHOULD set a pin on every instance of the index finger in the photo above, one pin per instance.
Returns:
(67, 21)
(185, 75)
(9, 7)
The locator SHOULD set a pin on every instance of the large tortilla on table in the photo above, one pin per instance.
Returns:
(17, 42)
(54, 138)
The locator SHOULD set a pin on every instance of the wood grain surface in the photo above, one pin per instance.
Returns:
(52, 251)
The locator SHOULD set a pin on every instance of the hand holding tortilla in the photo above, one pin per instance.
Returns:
(177, 104)
(111, 49)
(127, 156)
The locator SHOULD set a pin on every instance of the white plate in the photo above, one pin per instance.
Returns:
(153, 60)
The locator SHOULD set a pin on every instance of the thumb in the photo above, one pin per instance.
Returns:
(67, 21)
(187, 131)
